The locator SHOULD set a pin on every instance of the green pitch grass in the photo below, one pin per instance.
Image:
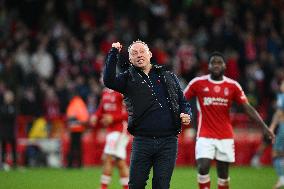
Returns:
(88, 178)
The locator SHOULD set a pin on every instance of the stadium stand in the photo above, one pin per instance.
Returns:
(49, 48)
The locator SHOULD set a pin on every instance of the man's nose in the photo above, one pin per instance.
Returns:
(139, 55)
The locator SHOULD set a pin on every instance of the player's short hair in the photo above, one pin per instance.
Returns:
(138, 41)
(216, 53)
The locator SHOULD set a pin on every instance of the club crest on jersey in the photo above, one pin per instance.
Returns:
(226, 91)
(217, 89)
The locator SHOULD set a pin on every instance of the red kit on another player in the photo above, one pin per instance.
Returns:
(214, 99)
(112, 104)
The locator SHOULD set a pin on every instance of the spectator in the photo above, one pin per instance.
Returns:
(11, 73)
(8, 115)
(77, 117)
(62, 92)
(29, 103)
(22, 58)
(42, 62)
(34, 155)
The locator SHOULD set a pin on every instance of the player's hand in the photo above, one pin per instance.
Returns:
(185, 118)
(93, 119)
(270, 133)
(106, 119)
(117, 45)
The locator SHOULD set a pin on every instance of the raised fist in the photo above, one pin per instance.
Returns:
(117, 45)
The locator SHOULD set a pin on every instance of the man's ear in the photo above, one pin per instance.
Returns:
(150, 53)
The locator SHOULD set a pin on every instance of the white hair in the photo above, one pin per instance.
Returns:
(138, 41)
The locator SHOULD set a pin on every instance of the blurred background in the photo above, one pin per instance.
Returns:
(49, 49)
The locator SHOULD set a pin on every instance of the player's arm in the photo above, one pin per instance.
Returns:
(252, 113)
(108, 119)
(111, 80)
(241, 99)
(94, 118)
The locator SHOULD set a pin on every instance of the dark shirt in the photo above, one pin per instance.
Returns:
(159, 122)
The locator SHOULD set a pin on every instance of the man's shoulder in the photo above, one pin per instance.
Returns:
(161, 69)
(158, 66)
(232, 82)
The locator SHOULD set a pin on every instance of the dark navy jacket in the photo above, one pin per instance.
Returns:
(154, 102)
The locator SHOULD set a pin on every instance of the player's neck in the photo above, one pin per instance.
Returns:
(216, 78)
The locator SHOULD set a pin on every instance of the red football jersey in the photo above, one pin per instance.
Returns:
(112, 103)
(214, 100)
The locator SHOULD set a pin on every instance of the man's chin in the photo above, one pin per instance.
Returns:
(140, 65)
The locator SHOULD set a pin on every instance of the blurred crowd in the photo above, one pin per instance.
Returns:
(49, 48)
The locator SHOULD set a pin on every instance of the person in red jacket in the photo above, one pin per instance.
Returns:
(77, 117)
(112, 114)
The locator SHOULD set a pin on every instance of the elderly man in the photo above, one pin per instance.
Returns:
(156, 108)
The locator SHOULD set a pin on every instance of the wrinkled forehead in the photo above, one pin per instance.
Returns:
(138, 46)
